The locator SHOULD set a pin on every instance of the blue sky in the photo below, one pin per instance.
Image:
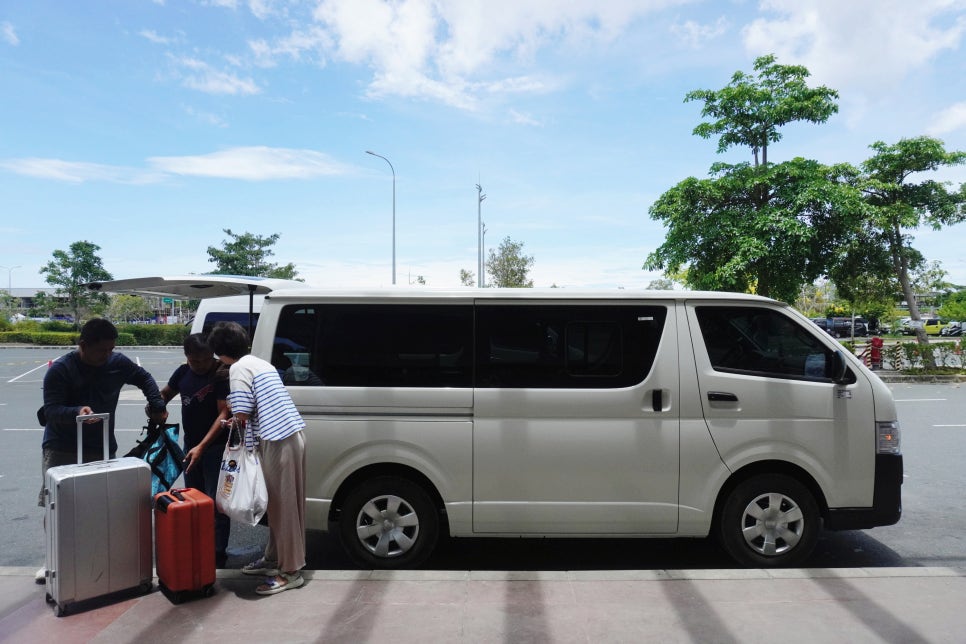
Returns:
(148, 126)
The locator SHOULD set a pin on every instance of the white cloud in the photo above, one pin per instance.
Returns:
(447, 50)
(257, 163)
(694, 34)
(949, 120)
(151, 35)
(523, 119)
(75, 171)
(9, 34)
(203, 77)
(869, 44)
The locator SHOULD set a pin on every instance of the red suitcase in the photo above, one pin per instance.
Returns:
(184, 542)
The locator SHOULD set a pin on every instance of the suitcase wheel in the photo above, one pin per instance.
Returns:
(209, 590)
(49, 599)
(146, 587)
(60, 610)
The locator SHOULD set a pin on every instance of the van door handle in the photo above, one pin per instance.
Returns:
(657, 400)
(721, 396)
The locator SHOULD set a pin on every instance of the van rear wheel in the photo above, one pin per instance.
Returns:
(388, 522)
(769, 521)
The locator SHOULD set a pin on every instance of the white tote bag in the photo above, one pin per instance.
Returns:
(241, 493)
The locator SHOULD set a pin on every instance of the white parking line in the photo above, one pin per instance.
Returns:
(27, 373)
(949, 425)
(921, 400)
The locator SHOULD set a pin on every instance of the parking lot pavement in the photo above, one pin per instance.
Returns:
(792, 605)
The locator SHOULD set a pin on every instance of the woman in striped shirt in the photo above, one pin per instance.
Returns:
(258, 397)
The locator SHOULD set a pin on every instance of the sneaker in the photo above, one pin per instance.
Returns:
(41, 576)
(260, 567)
(273, 586)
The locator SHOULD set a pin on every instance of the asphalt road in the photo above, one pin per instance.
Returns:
(932, 531)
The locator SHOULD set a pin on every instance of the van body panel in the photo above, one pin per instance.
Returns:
(578, 461)
(825, 428)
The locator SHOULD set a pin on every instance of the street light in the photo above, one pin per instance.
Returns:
(479, 234)
(9, 271)
(393, 212)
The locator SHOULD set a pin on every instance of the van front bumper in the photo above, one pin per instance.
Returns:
(886, 499)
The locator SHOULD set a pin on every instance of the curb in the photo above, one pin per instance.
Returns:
(736, 574)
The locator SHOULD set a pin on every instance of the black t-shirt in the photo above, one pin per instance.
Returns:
(199, 402)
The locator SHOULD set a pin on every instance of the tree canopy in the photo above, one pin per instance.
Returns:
(248, 254)
(763, 227)
(897, 204)
(70, 270)
(508, 266)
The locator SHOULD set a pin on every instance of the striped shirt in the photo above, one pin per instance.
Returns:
(257, 390)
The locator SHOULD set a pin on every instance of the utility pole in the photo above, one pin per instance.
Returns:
(479, 234)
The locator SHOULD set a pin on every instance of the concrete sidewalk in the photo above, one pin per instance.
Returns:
(425, 606)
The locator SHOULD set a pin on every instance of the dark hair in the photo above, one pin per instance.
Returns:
(97, 330)
(196, 343)
(228, 339)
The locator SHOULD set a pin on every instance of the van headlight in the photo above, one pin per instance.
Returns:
(887, 437)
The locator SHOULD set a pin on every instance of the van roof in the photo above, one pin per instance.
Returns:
(286, 295)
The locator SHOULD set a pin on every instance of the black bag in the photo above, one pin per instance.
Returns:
(42, 416)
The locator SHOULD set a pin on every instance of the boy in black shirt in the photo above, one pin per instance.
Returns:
(203, 385)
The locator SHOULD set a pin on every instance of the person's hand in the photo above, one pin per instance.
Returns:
(87, 411)
(192, 456)
(159, 416)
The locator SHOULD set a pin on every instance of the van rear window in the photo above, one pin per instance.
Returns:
(459, 345)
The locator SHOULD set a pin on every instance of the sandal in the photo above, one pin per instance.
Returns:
(272, 585)
(260, 567)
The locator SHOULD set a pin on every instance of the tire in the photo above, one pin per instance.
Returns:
(769, 521)
(388, 522)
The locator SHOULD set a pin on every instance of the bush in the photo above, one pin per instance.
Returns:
(15, 336)
(53, 338)
(154, 335)
(57, 326)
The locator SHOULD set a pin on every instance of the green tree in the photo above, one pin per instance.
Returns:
(42, 305)
(247, 254)
(761, 227)
(467, 278)
(898, 204)
(954, 308)
(508, 267)
(126, 308)
(70, 270)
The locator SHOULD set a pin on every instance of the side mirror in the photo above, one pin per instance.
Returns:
(840, 369)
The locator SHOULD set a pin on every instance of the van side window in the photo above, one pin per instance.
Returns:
(762, 342)
(550, 346)
(379, 345)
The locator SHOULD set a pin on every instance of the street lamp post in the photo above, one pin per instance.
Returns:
(9, 278)
(393, 212)
(479, 234)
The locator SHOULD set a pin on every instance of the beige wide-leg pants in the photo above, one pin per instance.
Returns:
(283, 464)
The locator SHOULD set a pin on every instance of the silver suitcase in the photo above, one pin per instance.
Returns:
(98, 527)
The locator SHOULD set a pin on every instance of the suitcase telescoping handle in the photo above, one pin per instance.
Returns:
(80, 438)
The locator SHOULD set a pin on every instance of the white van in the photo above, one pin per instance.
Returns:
(557, 413)
(560, 413)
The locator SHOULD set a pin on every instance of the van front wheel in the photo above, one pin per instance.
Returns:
(388, 522)
(769, 521)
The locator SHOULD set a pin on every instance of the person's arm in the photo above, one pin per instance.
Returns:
(140, 378)
(57, 389)
(216, 429)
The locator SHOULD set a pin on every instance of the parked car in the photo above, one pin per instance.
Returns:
(932, 326)
(843, 327)
(952, 329)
